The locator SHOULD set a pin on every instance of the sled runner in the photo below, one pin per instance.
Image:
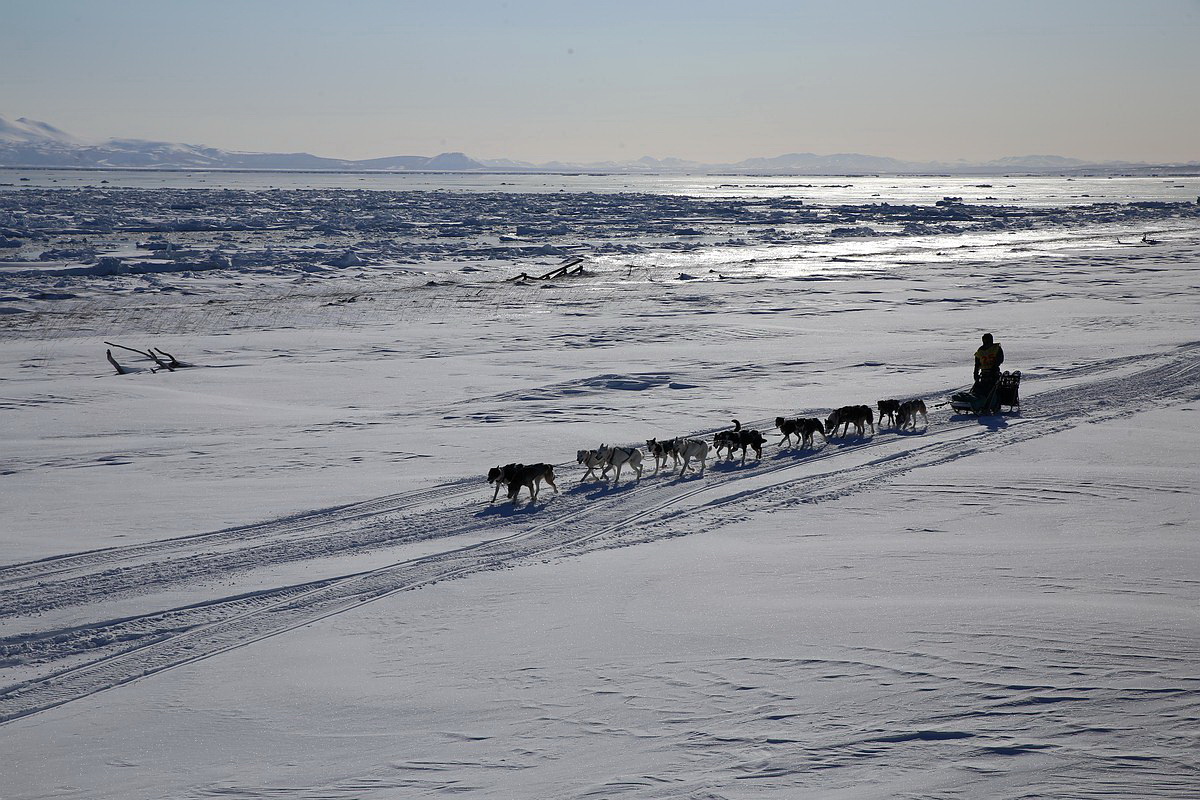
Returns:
(1005, 392)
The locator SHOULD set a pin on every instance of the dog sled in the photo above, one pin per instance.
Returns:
(1004, 392)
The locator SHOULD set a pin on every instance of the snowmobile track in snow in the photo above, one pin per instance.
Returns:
(81, 660)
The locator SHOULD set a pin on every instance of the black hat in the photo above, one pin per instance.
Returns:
(987, 338)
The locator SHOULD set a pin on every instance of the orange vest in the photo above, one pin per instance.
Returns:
(987, 356)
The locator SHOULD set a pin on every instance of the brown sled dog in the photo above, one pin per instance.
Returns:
(802, 428)
(889, 409)
(907, 415)
(858, 416)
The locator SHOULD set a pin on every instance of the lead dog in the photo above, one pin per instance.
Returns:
(908, 414)
(501, 476)
(514, 476)
(858, 416)
(530, 476)
(620, 456)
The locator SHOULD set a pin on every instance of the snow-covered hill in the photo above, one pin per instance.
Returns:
(30, 131)
(28, 143)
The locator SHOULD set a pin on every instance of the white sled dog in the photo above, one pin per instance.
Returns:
(618, 457)
(592, 459)
(689, 449)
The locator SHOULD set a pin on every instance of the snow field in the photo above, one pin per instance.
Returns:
(1020, 639)
(277, 572)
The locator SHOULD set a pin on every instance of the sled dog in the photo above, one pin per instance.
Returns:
(501, 476)
(618, 457)
(747, 437)
(907, 414)
(531, 476)
(662, 449)
(592, 459)
(809, 426)
(725, 440)
(802, 428)
(787, 427)
(889, 409)
(689, 449)
(514, 476)
(858, 416)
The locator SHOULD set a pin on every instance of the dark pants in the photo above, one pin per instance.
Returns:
(985, 385)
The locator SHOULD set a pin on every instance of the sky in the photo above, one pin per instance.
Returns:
(543, 80)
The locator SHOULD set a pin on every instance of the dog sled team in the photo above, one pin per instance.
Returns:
(991, 390)
(684, 452)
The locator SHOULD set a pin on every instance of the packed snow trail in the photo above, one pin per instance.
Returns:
(65, 663)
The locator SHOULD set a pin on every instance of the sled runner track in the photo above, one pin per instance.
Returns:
(106, 634)
(71, 580)
(54, 565)
(356, 529)
(1175, 380)
(581, 520)
(287, 539)
(277, 617)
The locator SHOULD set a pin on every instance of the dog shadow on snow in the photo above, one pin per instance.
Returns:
(594, 490)
(851, 441)
(909, 431)
(797, 453)
(507, 509)
(725, 465)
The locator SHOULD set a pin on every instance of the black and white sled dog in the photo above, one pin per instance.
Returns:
(727, 441)
(739, 437)
(617, 457)
(662, 449)
(907, 414)
(500, 477)
(802, 428)
(858, 416)
(592, 459)
(514, 476)
(889, 409)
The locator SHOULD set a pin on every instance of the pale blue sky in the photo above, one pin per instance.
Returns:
(541, 80)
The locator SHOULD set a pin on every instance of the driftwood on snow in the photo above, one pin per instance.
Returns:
(161, 358)
(120, 370)
(572, 266)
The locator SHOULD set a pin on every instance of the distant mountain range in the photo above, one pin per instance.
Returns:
(30, 143)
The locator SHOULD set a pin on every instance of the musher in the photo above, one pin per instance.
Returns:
(988, 359)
